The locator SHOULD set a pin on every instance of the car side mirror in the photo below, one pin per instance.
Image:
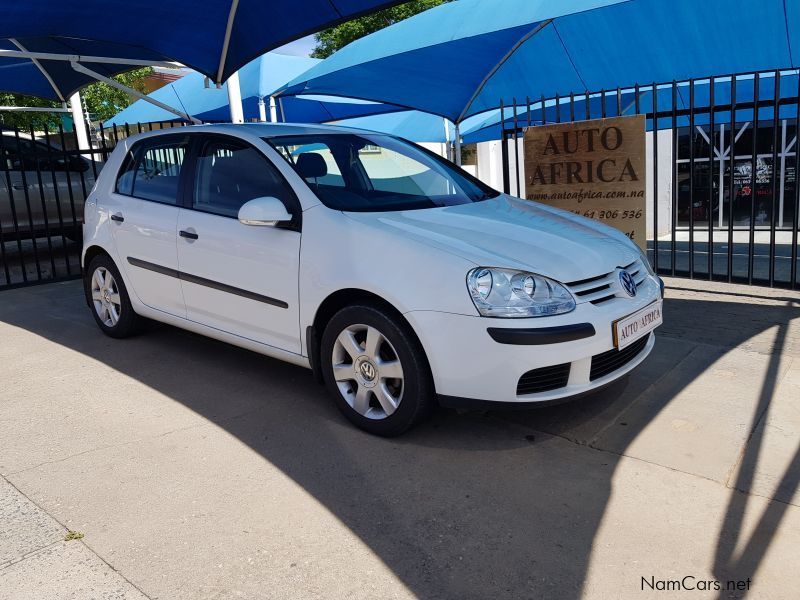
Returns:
(265, 211)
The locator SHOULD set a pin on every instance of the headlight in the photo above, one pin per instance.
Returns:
(510, 293)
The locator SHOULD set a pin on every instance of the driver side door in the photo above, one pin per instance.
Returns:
(241, 279)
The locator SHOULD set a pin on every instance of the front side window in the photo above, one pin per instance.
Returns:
(153, 169)
(230, 173)
(374, 172)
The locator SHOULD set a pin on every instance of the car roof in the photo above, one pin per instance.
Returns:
(274, 129)
(261, 130)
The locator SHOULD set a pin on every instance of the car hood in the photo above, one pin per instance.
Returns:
(513, 233)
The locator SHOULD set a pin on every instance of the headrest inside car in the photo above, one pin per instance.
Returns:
(311, 165)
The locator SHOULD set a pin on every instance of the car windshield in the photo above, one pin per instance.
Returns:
(377, 173)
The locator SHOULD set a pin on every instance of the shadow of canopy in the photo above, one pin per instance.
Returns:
(500, 505)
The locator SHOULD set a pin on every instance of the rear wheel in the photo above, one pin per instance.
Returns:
(109, 300)
(376, 370)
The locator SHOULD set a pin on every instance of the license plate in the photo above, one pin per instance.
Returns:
(629, 329)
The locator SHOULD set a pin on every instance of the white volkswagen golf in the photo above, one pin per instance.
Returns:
(397, 278)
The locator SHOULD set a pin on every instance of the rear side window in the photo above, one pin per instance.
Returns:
(21, 154)
(230, 173)
(152, 169)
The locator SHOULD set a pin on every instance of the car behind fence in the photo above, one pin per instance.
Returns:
(722, 198)
(722, 162)
(44, 182)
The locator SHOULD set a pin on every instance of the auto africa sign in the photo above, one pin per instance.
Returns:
(592, 168)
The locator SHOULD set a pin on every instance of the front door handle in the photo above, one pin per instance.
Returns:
(117, 217)
(189, 235)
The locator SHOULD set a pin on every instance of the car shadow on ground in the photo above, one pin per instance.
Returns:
(474, 505)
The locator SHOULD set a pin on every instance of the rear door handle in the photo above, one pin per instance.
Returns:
(117, 217)
(189, 235)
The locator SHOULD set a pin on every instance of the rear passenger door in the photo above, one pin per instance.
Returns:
(239, 278)
(144, 216)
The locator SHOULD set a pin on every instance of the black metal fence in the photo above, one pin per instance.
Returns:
(44, 181)
(722, 203)
(723, 197)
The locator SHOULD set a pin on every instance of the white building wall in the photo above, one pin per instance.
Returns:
(665, 183)
(490, 164)
(437, 147)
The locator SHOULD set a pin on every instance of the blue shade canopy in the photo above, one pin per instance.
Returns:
(464, 57)
(274, 70)
(323, 109)
(57, 80)
(409, 124)
(214, 37)
(257, 79)
(487, 126)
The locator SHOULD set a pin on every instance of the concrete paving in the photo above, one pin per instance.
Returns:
(40, 558)
(198, 470)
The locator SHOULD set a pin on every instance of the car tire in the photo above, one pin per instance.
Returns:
(376, 370)
(109, 300)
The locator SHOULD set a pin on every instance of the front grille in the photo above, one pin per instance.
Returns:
(544, 379)
(605, 287)
(608, 362)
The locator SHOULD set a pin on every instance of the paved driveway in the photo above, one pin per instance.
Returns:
(197, 470)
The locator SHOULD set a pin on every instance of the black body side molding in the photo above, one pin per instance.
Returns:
(542, 335)
(216, 285)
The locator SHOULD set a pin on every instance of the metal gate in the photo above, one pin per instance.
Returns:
(723, 197)
(44, 181)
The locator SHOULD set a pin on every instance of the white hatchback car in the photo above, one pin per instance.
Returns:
(399, 279)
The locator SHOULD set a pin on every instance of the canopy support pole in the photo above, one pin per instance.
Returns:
(502, 61)
(235, 98)
(226, 41)
(280, 105)
(447, 152)
(273, 110)
(134, 62)
(79, 121)
(41, 109)
(44, 73)
(262, 110)
(458, 144)
(135, 93)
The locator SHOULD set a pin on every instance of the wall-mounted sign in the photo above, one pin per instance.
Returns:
(592, 168)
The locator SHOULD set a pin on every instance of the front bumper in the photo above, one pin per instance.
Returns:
(469, 366)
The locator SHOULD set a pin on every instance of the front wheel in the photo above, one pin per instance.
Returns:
(108, 298)
(376, 370)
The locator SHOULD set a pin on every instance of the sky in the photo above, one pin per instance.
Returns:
(301, 47)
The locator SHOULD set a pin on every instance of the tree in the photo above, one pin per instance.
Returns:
(102, 101)
(26, 120)
(331, 40)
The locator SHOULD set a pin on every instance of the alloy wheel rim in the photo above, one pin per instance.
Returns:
(368, 371)
(105, 297)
